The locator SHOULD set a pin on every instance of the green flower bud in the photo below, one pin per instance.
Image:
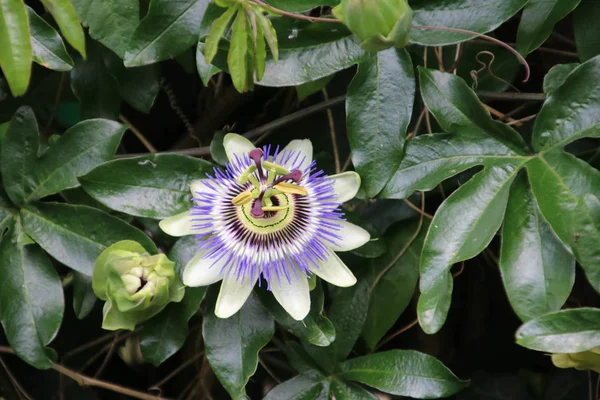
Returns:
(135, 285)
(378, 24)
(586, 360)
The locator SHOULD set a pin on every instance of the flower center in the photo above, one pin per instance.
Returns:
(269, 193)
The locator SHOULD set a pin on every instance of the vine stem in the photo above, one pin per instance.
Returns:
(425, 27)
(84, 380)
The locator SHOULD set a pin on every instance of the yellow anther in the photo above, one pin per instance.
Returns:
(291, 188)
(269, 166)
(246, 175)
(242, 198)
(274, 208)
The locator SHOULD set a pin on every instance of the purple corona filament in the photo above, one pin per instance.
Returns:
(296, 232)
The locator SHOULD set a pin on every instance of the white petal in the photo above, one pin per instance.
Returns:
(232, 296)
(346, 185)
(200, 271)
(305, 148)
(334, 271)
(178, 225)
(294, 297)
(353, 236)
(199, 186)
(236, 144)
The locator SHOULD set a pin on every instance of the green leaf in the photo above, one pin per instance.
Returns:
(538, 20)
(16, 55)
(537, 270)
(379, 108)
(217, 30)
(403, 373)
(76, 152)
(557, 76)
(164, 334)
(145, 186)
(260, 47)
(475, 15)
(238, 53)
(304, 59)
(169, 28)
(566, 331)
(205, 70)
(349, 391)
(232, 344)
(310, 88)
(112, 22)
(463, 226)
(559, 181)
(84, 298)
(298, 6)
(393, 281)
(457, 109)
(76, 235)
(31, 299)
(587, 31)
(269, 34)
(48, 48)
(93, 85)
(431, 159)
(572, 111)
(67, 20)
(310, 385)
(434, 304)
(315, 328)
(348, 313)
(217, 150)
(137, 86)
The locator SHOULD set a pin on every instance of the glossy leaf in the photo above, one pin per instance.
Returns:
(463, 226)
(217, 150)
(76, 152)
(166, 333)
(232, 344)
(348, 313)
(31, 299)
(112, 22)
(67, 20)
(298, 6)
(537, 270)
(431, 159)
(346, 390)
(475, 15)
(17, 54)
(309, 88)
(379, 108)
(559, 181)
(84, 298)
(573, 110)
(205, 70)
(315, 328)
(310, 385)
(137, 86)
(154, 186)
(48, 48)
(169, 28)
(393, 281)
(457, 109)
(76, 235)
(587, 31)
(557, 76)
(306, 60)
(566, 331)
(93, 85)
(403, 373)
(538, 20)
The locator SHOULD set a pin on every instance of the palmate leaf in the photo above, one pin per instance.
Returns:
(564, 188)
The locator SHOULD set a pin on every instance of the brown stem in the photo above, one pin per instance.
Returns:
(293, 15)
(138, 134)
(84, 380)
(336, 153)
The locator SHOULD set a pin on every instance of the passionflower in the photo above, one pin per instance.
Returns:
(272, 216)
(135, 285)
